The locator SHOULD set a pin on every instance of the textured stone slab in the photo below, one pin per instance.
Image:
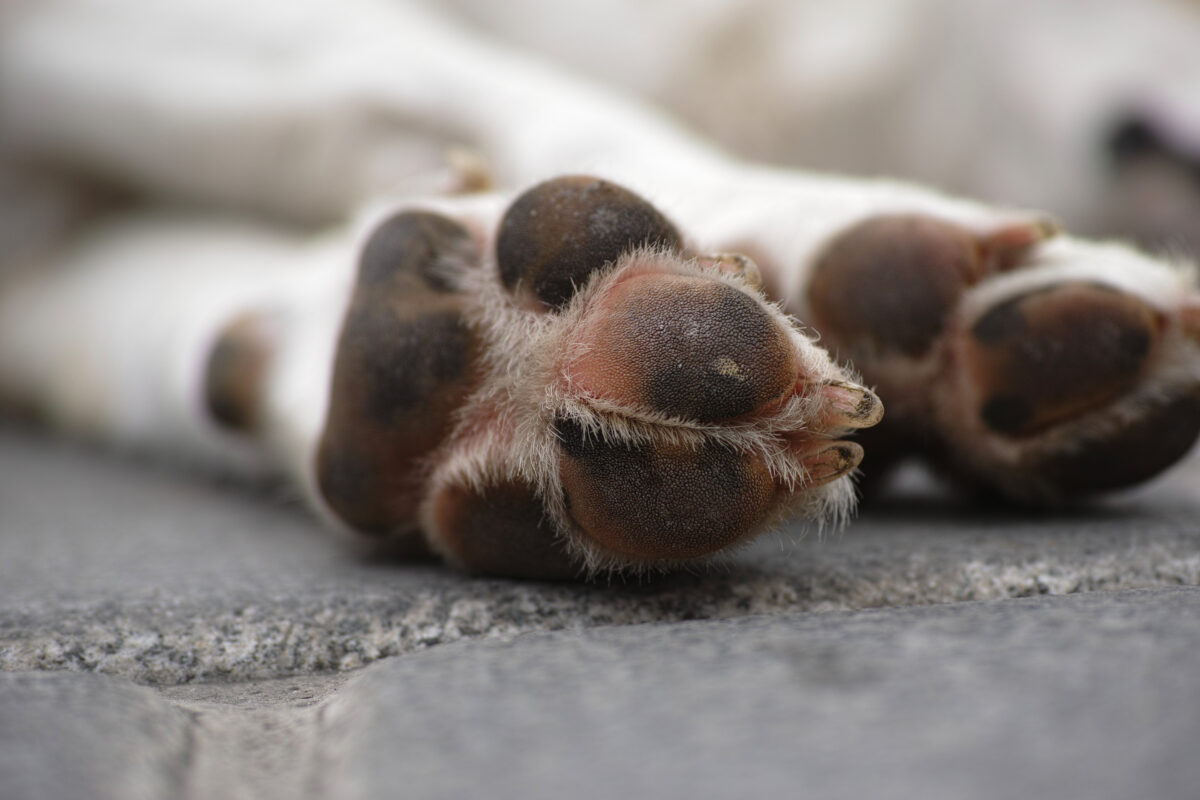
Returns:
(68, 736)
(118, 567)
(1091, 696)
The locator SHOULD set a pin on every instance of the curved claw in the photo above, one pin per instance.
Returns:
(832, 462)
(853, 406)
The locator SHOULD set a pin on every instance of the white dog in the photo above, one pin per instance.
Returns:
(566, 373)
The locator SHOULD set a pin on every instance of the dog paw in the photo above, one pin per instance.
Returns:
(1038, 366)
(565, 386)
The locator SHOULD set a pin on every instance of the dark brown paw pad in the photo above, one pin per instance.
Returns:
(557, 234)
(236, 373)
(415, 245)
(501, 529)
(1055, 353)
(1070, 389)
(659, 502)
(406, 359)
(889, 284)
(1139, 449)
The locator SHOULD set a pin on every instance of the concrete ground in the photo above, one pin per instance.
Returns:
(168, 636)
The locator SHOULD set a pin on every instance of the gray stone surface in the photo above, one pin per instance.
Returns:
(1090, 696)
(68, 736)
(118, 567)
(778, 674)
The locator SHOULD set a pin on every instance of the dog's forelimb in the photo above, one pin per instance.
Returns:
(114, 338)
(303, 110)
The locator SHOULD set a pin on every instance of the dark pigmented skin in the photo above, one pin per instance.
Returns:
(555, 235)
(502, 530)
(688, 347)
(887, 285)
(405, 361)
(1142, 450)
(413, 243)
(235, 373)
(422, 353)
(1058, 352)
(657, 502)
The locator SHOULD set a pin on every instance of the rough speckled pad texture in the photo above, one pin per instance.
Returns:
(121, 568)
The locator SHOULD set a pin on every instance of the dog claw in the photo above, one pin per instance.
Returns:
(1008, 246)
(737, 265)
(852, 406)
(832, 462)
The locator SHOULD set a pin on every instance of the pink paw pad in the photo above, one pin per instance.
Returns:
(684, 346)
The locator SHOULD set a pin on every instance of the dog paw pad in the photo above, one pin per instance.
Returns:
(685, 346)
(500, 529)
(405, 361)
(658, 501)
(557, 234)
(888, 284)
(414, 244)
(1057, 352)
(235, 373)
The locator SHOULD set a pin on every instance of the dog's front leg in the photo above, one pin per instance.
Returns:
(109, 337)
(546, 386)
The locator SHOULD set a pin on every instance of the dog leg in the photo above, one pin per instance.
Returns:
(549, 386)
(110, 337)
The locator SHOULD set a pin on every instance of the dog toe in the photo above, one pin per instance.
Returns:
(501, 529)
(406, 358)
(555, 236)
(658, 501)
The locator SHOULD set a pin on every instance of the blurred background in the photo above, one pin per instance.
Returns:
(1090, 111)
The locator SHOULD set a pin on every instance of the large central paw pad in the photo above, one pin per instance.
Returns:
(634, 404)
(685, 346)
